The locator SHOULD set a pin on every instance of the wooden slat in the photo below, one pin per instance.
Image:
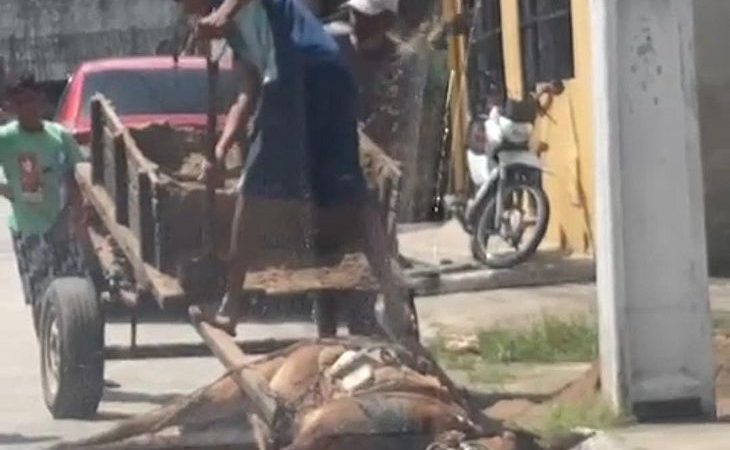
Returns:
(190, 350)
(112, 121)
(121, 191)
(97, 141)
(353, 273)
(146, 219)
(109, 149)
(164, 287)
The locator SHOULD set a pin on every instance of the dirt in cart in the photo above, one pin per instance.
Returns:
(276, 233)
(180, 154)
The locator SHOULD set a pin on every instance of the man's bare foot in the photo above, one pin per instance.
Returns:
(219, 321)
(225, 323)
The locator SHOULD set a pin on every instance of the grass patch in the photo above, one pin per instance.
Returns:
(551, 340)
(593, 413)
(476, 369)
(721, 321)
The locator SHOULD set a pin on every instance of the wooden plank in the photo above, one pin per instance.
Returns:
(164, 287)
(109, 148)
(264, 403)
(352, 273)
(189, 350)
(146, 219)
(112, 121)
(120, 180)
(97, 141)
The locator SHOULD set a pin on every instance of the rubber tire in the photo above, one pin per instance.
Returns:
(325, 316)
(486, 216)
(73, 304)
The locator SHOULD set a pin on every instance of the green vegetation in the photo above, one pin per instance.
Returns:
(550, 341)
(592, 413)
(476, 369)
(721, 321)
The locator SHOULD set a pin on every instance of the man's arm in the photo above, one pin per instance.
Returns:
(239, 116)
(5, 190)
(214, 26)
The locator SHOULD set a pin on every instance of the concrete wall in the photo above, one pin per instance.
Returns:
(656, 345)
(713, 73)
(50, 37)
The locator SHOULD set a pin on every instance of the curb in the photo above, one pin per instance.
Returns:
(602, 441)
(439, 282)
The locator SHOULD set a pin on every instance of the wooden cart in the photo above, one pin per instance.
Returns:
(149, 213)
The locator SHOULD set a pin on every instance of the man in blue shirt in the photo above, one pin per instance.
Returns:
(298, 107)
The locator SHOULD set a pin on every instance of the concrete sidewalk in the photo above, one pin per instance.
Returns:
(442, 263)
(662, 437)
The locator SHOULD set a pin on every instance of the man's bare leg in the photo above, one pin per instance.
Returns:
(229, 311)
(379, 251)
(396, 313)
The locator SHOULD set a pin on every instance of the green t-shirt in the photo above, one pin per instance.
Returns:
(37, 166)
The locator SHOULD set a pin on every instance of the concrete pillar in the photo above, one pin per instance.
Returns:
(656, 350)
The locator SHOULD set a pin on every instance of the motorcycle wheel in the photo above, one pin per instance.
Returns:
(485, 227)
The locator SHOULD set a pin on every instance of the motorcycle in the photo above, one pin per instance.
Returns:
(509, 207)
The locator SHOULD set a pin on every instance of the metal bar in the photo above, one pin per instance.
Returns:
(190, 350)
(133, 329)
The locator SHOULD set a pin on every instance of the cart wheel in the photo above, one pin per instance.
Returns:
(361, 319)
(325, 316)
(72, 349)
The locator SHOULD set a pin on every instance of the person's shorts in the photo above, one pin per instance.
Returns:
(42, 258)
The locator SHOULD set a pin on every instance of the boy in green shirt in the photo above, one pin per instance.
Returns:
(38, 159)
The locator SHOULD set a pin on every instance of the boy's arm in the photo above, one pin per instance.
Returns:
(5, 190)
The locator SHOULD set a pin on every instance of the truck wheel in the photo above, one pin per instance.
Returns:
(72, 349)
(325, 316)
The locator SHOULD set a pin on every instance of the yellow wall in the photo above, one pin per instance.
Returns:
(458, 98)
(566, 133)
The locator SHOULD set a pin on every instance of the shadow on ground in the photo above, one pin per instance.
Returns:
(16, 439)
(113, 395)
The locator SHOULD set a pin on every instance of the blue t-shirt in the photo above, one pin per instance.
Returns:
(305, 140)
(251, 39)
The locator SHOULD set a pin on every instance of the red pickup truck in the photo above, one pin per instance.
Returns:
(144, 90)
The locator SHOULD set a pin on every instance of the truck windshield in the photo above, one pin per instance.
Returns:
(158, 92)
